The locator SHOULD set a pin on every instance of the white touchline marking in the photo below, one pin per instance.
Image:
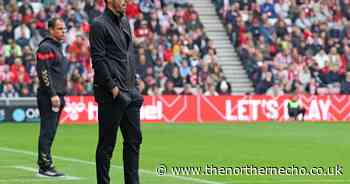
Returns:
(115, 166)
(177, 177)
(36, 170)
(16, 181)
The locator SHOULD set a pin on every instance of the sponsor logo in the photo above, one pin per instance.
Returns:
(2, 115)
(32, 114)
(73, 109)
(18, 115)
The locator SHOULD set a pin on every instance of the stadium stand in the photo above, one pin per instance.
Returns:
(298, 46)
(173, 53)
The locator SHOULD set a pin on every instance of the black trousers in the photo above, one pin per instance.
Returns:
(295, 112)
(123, 112)
(48, 127)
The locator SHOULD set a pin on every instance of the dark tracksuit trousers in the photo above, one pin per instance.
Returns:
(48, 127)
(126, 115)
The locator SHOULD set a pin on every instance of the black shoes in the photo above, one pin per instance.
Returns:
(51, 172)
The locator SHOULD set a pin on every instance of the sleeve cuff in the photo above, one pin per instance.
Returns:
(111, 84)
(52, 93)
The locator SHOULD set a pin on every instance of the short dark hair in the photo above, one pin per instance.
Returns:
(106, 3)
(51, 24)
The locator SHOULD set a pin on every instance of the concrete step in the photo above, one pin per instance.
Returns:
(233, 67)
(210, 20)
(202, 4)
(238, 80)
(227, 57)
(234, 70)
(222, 46)
(228, 49)
(207, 16)
(248, 88)
(227, 61)
(208, 23)
(230, 60)
(223, 65)
(205, 9)
(226, 54)
(243, 84)
(236, 75)
(212, 25)
(216, 33)
(207, 13)
(221, 37)
(223, 41)
(222, 56)
(233, 58)
(229, 72)
(213, 28)
(230, 64)
(242, 91)
(229, 53)
(227, 44)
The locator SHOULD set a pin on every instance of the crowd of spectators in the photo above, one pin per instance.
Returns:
(291, 46)
(173, 54)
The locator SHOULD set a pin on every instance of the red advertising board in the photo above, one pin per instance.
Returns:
(218, 109)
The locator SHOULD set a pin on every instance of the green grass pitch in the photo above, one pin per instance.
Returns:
(221, 145)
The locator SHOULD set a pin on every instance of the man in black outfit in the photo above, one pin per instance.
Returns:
(115, 91)
(51, 71)
(295, 108)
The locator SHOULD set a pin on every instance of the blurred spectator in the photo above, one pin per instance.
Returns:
(22, 31)
(25, 7)
(211, 91)
(345, 86)
(169, 40)
(150, 78)
(223, 87)
(146, 5)
(91, 10)
(265, 83)
(169, 88)
(9, 91)
(12, 50)
(142, 87)
(187, 90)
(176, 78)
(8, 33)
(193, 78)
(298, 45)
(275, 90)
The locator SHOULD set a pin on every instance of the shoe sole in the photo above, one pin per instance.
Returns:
(46, 176)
